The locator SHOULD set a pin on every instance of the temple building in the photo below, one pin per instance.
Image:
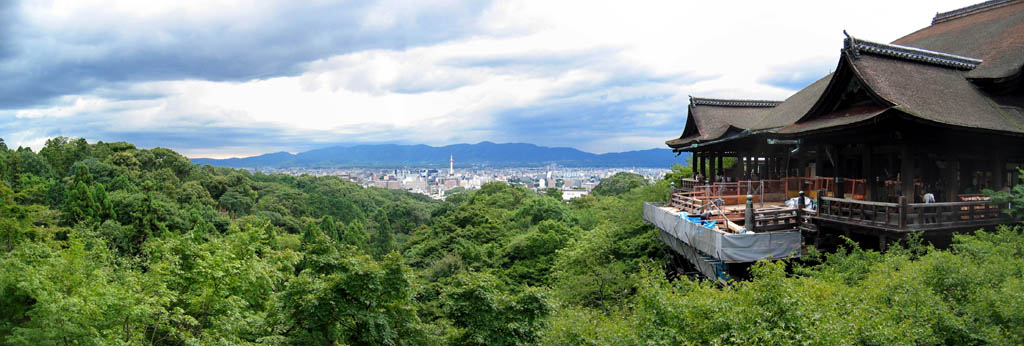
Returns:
(902, 138)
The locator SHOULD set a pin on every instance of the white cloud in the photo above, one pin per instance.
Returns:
(527, 55)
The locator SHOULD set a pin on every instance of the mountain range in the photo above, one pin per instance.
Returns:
(481, 154)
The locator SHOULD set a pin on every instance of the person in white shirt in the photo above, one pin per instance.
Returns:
(929, 198)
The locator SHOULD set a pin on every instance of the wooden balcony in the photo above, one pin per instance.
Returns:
(773, 190)
(770, 216)
(848, 208)
(908, 217)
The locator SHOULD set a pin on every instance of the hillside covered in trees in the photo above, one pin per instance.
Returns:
(110, 244)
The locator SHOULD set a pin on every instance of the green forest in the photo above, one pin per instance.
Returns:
(107, 243)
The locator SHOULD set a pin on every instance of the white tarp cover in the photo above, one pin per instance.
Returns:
(726, 247)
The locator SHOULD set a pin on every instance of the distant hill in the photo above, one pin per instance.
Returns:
(480, 154)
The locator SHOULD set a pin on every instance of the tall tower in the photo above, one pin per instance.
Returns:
(451, 165)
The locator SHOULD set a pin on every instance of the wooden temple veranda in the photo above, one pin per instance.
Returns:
(937, 113)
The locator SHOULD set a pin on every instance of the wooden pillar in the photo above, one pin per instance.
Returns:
(755, 166)
(907, 172)
(702, 165)
(901, 221)
(709, 167)
(819, 161)
(693, 162)
(840, 165)
(778, 167)
(719, 165)
(748, 215)
(801, 164)
(800, 208)
(745, 168)
(998, 171)
(967, 175)
(714, 166)
(868, 173)
(951, 178)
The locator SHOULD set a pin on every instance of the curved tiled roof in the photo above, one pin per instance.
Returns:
(930, 75)
(948, 15)
(911, 53)
(992, 31)
(934, 93)
(710, 119)
(794, 107)
(702, 101)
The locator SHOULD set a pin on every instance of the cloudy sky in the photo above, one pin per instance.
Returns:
(237, 78)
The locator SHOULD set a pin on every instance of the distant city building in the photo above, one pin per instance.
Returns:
(451, 183)
(433, 183)
(570, 194)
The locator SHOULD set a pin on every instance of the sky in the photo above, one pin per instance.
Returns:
(235, 78)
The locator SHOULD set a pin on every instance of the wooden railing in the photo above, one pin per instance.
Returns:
(773, 190)
(685, 201)
(765, 220)
(776, 219)
(687, 185)
(910, 216)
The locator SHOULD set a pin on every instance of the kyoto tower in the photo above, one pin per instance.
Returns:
(451, 165)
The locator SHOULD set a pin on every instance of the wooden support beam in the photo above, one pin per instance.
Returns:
(952, 179)
(716, 166)
(819, 161)
(967, 174)
(701, 165)
(868, 172)
(840, 169)
(998, 170)
(693, 163)
(901, 220)
(800, 209)
(748, 214)
(801, 165)
(907, 171)
(720, 164)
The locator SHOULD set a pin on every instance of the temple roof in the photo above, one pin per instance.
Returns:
(935, 93)
(992, 31)
(702, 101)
(710, 119)
(910, 53)
(930, 75)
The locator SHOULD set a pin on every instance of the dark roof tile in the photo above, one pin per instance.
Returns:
(709, 119)
(910, 53)
(993, 33)
(934, 93)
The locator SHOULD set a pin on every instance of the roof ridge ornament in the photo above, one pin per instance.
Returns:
(703, 101)
(850, 43)
(945, 16)
(856, 47)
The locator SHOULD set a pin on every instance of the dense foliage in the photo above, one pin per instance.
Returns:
(619, 183)
(109, 244)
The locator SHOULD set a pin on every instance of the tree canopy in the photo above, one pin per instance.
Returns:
(106, 243)
(619, 183)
